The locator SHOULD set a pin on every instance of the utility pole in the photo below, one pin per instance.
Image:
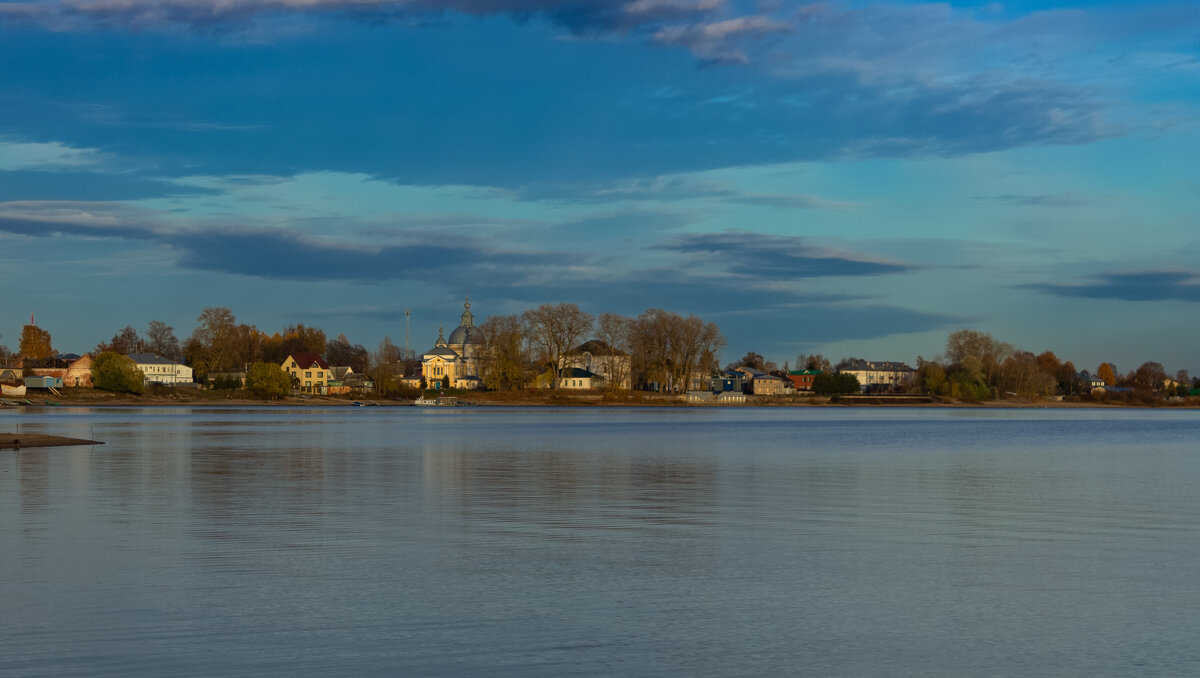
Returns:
(406, 348)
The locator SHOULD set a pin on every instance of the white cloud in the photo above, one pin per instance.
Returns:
(53, 155)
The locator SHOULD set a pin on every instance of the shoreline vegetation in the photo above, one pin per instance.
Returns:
(172, 397)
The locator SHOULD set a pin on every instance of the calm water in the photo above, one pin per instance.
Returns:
(690, 542)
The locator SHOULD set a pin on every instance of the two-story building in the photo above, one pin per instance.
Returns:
(160, 370)
(880, 375)
(309, 371)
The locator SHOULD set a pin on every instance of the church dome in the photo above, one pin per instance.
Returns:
(466, 333)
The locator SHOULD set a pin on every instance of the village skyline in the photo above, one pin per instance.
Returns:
(844, 178)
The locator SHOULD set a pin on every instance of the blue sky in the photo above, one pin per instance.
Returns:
(847, 178)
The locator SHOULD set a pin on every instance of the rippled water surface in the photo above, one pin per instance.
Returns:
(659, 542)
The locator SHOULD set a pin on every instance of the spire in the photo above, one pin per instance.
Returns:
(441, 337)
(467, 319)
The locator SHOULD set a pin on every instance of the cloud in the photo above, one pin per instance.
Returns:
(784, 201)
(52, 155)
(279, 253)
(718, 42)
(772, 257)
(206, 16)
(1139, 286)
(1037, 200)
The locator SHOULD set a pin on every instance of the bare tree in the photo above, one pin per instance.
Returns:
(669, 348)
(161, 340)
(613, 330)
(556, 329)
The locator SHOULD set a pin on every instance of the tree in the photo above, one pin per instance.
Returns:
(752, 360)
(556, 329)
(112, 371)
(614, 330)
(161, 340)
(35, 343)
(1149, 376)
(340, 352)
(124, 342)
(210, 348)
(990, 354)
(668, 349)
(813, 361)
(1108, 373)
(931, 376)
(268, 380)
(506, 353)
(386, 367)
(828, 383)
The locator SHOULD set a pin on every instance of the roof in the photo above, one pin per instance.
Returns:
(150, 359)
(764, 375)
(306, 359)
(597, 347)
(801, 373)
(876, 366)
(577, 373)
(443, 351)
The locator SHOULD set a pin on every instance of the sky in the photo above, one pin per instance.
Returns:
(847, 178)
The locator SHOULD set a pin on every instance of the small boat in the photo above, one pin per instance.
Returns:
(51, 402)
(357, 404)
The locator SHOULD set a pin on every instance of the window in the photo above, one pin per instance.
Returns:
(308, 374)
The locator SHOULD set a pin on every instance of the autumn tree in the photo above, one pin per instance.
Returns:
(505, 354)
(35, 343)
(556, 329)
(161, 340)
(246, 344)
(1108, 373)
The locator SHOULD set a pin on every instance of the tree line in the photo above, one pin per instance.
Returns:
(664, 349)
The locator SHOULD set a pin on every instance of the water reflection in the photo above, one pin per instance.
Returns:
(268, 542)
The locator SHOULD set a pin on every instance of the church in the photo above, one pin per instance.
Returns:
(455, 363)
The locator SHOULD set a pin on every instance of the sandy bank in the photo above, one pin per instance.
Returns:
(18, 441)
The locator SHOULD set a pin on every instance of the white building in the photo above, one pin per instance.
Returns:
(159, 370)
(880, 375)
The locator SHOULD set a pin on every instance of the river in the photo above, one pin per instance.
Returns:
(602, 542)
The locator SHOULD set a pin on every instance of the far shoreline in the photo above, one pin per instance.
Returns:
(165, 398)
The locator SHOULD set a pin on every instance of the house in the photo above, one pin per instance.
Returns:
(11, 375)
(345, 381)
(159, 370)
(577, 377)
(802, 380)
(613, 367)
(310, 373)
(71, 369)
(877, 376)
(767, 384)
(728, 381)
(1088, 381)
